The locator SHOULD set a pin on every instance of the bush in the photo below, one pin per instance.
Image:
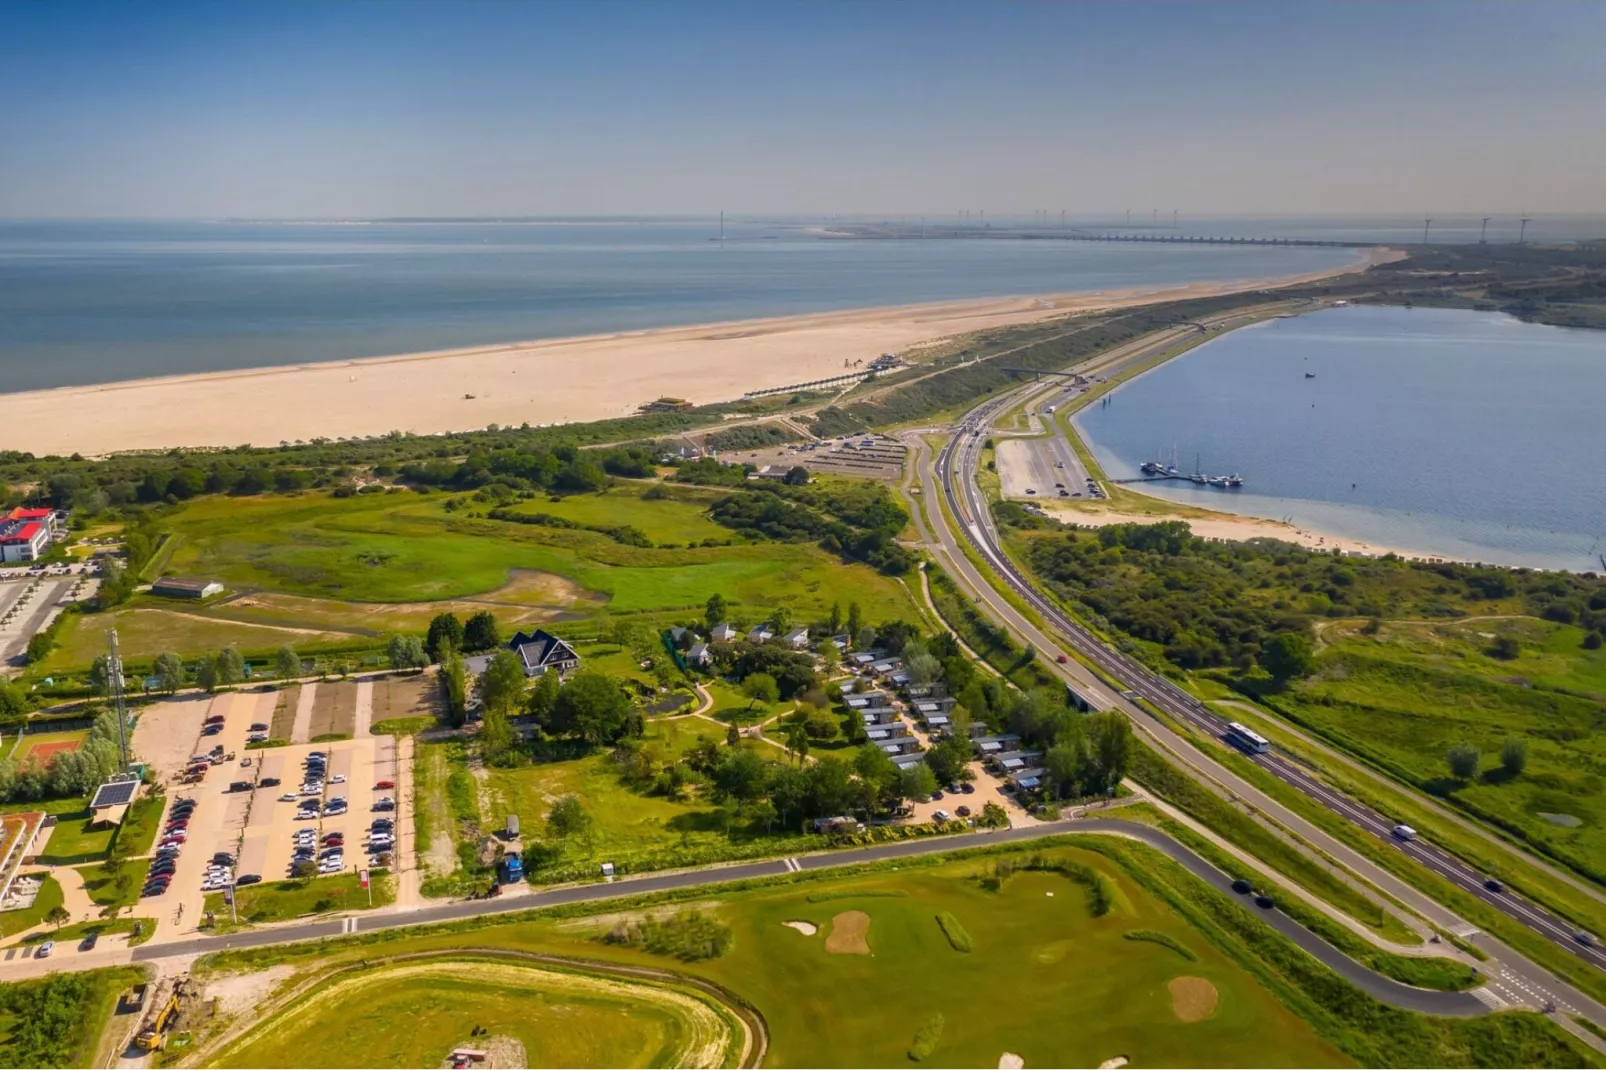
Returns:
(958, 938)
(689, 936)
(926, 1038)
(1151, 937)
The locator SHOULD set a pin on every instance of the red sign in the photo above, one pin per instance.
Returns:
(364, 874)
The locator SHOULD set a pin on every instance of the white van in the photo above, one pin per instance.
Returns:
(1404, 832)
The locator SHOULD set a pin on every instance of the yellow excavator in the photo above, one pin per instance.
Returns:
(154, 1035)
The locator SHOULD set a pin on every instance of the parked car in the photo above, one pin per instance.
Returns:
(289, 796)
(259, 727)
(385, 785)
(247, 878)
(45, 949)
(942, 815)
(338, 778)
(268, 782)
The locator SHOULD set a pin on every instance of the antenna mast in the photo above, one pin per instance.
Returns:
(1523, 231)
(1426, 223)
(114, 684)
(1484, 233)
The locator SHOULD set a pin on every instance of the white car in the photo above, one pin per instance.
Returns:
(330, 867)
(311, 789)
(338, 778)
(306, 815)
(288, 796)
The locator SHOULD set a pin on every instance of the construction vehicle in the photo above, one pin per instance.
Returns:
(512, 869)
(153, 1035)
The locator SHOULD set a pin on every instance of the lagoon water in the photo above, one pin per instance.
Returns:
(1461, 434)
(88, 302)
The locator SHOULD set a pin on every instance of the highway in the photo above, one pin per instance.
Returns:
(1383, 988)
(954, 474)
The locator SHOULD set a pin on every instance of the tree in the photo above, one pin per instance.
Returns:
(544, 697)
(948, 758)
(57, 916)
(864, 638)
(919, 781)
(169, 671)
(567, 818)
(1514, 756)
(592, 706)
(230, 666)
(206, 675)
(833, 621)
(797, 741)
(761, 687)
(501, 685)
(407, 652)
(1505, 648)
(1287, 655)
(100, 675)
(13, 700)
(288, 662)
(480, 633)
(1066, 766)
(992, 816)
(783, 620)
(923, 669)
(796, 476)
(445, 634)
(855, 621)
(1110, 737)
(741, 775)
(495, 737)
(1463, 760)
(715, 611)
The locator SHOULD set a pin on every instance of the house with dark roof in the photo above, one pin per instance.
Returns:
(171, 587)
(541, 650)
(699, 654)
(724, 632)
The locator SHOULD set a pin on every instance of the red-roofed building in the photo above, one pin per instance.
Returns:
(25, 534)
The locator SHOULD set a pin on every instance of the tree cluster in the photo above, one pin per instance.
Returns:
(68, 773)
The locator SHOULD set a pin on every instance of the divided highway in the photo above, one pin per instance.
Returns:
(955, 469)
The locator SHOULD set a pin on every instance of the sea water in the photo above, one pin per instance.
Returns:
(1461, 434)
(88, 302)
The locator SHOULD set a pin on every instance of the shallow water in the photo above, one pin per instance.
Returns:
(1460, 434)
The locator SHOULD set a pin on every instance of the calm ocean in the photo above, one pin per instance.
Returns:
(1464, 434)
(93, 302)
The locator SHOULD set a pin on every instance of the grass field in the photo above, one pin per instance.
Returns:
(1402, 697)
(318, 570)
(559, 1018)
(284, 900)
(75, 1008)
(73, 841)
(631, 828)
(68, 936)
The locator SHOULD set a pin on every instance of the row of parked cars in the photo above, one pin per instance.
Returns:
(165, 864)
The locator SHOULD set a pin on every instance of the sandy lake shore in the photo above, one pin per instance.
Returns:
(558, 380)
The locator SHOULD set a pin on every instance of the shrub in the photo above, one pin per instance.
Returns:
(1149, 936)
(690, 936)
(926, 1038)
(958, 938)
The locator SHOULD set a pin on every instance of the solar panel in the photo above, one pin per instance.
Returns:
(114, 793)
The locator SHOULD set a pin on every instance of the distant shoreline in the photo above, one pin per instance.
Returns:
(564, 380)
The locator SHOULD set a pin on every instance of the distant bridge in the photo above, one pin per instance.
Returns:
(1199, 239)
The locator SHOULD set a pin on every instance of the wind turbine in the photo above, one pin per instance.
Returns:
(1484, 232)
(1523, 230)
(1426, 223)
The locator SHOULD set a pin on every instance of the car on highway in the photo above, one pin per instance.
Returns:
(1403, 832)
(1061, 658)
(1584, 938)
(1493, 885)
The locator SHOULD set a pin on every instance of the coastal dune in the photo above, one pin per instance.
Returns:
(555, 381)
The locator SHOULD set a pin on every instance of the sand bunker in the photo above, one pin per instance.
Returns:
(850, 932)
(1010, 1061)
(1113, 1064)
(1193, 999)
(807, 928)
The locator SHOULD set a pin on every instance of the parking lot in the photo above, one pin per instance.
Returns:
(259, 806)
(871, 456)
(29, 601)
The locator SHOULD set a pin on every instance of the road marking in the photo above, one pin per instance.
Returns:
(1466, 930)
(348, 925)
(792, 865)
(1488, 998)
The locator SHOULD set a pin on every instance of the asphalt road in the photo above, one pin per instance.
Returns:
(1384, 989)
(954, 470)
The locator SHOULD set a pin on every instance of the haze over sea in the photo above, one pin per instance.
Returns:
(1468, 435)
(89, 302)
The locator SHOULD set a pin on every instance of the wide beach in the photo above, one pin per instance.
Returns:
(558, 380)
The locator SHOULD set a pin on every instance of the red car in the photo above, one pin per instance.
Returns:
(385, 785)
(1061, 658)
(334, 839)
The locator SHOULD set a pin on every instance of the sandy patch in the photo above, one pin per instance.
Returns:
(850, 932)
(501, 1053)
(528, 597)
(245, 992)
(1113, 1064)
(1010, 1061)
(588, 378)
(1193, 999)
(807, 928)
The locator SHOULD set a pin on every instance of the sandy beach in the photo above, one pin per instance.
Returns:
(1227, 526)
(559, 380)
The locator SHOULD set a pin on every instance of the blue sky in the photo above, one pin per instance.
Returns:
(466, 108)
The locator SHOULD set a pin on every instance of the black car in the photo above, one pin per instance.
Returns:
(247, 878)
(88, 943)
(259, 727)
(1494, 885)
(223, 858)
(240, 785)
(181, 810)
(967, 788)
(936, 796)
(268, 782)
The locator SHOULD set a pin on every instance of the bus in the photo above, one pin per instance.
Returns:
(1246, 739)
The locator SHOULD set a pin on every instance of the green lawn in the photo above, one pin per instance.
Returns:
(49, 897)
(1401, 698)
(73, 841)
(103, 887)
(679, 519)
(57, 1020)
(285, 900)
(139, 828)
(68, 936)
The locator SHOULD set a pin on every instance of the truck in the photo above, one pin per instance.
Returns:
(512, 869)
